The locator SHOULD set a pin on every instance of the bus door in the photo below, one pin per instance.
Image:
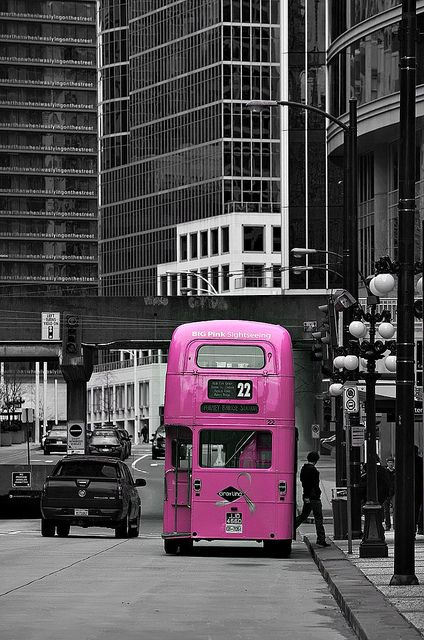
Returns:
(178, 474)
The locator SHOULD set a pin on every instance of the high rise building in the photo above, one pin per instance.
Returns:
(48, 150)
(364, 62)
(197, 192)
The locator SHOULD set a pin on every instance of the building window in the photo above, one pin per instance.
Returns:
(203, 244)
(276, 239)
(163, 285)
(253, 275)
(253, 238)
(174, 285)
(214, 279)
(214, 242)
(183, 248)
(193, 245)
(130, 396)
(276, 275)
(192, 283)
(225, 239)
(225, 277)
(204, 281)
(120, 396)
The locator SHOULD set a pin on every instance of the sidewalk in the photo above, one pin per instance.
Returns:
(360, 586)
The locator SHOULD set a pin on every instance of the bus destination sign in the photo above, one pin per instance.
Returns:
(229, 389)
(227, 407)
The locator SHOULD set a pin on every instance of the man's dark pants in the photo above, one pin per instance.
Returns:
(316, 507)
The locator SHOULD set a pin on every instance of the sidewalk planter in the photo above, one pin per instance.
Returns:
(6, 439)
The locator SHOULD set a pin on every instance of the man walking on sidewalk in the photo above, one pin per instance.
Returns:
(309, 477)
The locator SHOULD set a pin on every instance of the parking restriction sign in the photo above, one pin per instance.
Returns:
(350, 398)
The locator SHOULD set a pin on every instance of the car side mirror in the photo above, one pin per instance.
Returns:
(140, 482)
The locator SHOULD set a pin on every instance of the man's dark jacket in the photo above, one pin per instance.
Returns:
(309, 477)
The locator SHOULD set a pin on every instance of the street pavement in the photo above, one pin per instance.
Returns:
(361, 586)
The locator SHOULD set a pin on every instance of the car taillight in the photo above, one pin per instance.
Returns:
(120, 493)
(44, 489)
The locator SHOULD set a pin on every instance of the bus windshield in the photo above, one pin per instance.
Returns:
(231, 356)
(235, 448)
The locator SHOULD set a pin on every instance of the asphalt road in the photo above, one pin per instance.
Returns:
(91, 585)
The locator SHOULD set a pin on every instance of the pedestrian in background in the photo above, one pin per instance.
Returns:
(309, 477)
(145, 433)
(388, 505)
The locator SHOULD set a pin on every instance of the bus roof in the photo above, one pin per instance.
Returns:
(229, 331)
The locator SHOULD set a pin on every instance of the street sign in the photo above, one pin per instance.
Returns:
(27, 415)
(350, 398)
(76, 437)
(21, 479)
(50, 325)
(310, 325)
(357, 435)
(315, 430)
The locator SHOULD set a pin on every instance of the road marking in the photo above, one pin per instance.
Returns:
(134, 464)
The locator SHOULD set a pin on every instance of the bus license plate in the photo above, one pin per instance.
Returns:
(80, 512)
(233, 523)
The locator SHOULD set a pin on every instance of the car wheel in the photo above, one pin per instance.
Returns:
(122, 530)
(47, 528)
(154, 455)
(63, 530)
(170, 546)
(134, 528)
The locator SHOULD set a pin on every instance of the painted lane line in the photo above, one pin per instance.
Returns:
(134, 464)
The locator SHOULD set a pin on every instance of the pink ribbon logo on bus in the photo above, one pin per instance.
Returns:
(232, 493)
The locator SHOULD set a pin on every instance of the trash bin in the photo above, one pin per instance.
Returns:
(339, 518)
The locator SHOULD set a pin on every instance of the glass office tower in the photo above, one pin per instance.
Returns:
(48, 150)
(182, 156)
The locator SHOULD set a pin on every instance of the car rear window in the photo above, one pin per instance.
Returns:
(92, 469)
(106, 433)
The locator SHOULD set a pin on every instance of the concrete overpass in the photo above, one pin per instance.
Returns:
(148, 322)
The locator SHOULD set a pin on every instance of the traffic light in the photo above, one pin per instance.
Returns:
(317, 351)
(327, 412)
(72, 335)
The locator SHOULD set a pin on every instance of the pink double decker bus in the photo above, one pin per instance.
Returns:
(230, 452)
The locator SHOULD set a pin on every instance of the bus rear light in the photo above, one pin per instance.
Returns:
(282, 488)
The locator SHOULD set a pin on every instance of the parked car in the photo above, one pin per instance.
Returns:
(89, 491)
(126, 437)
(107, 442)
(56, 440)
(158, 443)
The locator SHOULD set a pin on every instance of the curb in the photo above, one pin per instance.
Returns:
(366, 609)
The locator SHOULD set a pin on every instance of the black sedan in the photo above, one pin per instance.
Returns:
(106, 442)
(56, 440)
(158, 443)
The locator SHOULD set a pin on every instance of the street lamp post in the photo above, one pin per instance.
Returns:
(373, 543)
(350, 246)
(404, 551)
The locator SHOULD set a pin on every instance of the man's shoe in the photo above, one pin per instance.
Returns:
(323, 543)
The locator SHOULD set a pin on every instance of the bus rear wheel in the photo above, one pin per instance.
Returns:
(171, 546)
(186, 546)
(278, 548)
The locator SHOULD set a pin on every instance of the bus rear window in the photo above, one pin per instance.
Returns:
(231, 356)
(235, 448)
